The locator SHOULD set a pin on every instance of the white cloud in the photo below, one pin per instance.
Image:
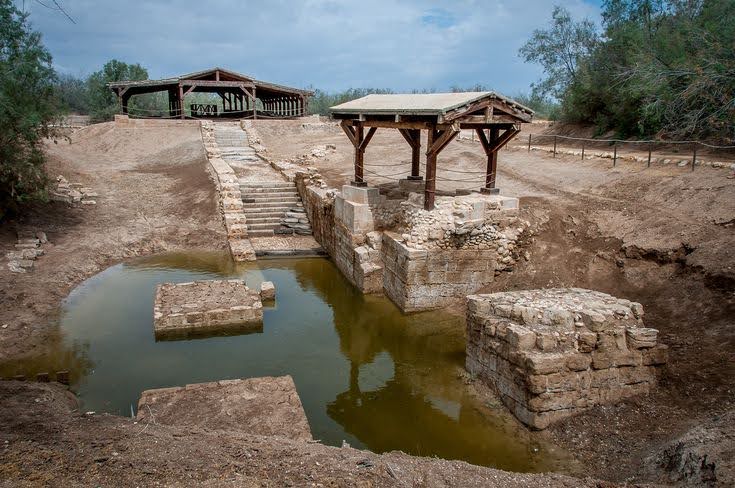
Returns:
(325, 43)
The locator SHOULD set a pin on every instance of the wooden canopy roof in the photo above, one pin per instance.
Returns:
(214, 77)
(495, 118)
(467, 108)
(242, 96)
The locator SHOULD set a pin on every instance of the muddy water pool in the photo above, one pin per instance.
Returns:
(367, 374)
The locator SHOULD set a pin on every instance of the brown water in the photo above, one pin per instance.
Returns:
(366, 373)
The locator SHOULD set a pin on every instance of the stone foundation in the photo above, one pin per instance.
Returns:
(420, 259)
(262, 406)
(205, 308)
(551, 353)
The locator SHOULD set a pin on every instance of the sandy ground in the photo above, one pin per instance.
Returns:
(662, 236)
(155, 195)
(45, 442)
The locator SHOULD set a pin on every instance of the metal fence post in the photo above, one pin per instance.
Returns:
(615, 153)
(694, 156)
(649, 154)
(554, 146)
(529, 142)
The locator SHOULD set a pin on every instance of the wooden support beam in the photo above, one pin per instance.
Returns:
(255, 104)
(181, 101)
(389, 124)
(413, 137)
(369, 136)
(444, 138)
(350, 131)
(359, 155)
(430, 186)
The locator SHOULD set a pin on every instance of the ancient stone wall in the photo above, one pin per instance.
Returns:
(229, 197)
(552, 353)
(319, 206)
(436, 256)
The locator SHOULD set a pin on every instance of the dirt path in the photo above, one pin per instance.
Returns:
(154, 195)
(661, 236)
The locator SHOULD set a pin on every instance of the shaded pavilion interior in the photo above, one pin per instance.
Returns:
(241, 96)
(495, 118)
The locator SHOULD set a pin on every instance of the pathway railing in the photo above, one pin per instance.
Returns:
(648, 147)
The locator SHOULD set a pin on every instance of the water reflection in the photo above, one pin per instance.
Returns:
(365, 372)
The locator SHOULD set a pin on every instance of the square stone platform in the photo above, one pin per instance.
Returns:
(206, 308)
(551, 353)
(262, 406)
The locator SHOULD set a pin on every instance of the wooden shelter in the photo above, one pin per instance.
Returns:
(495, 118)
(242, 96)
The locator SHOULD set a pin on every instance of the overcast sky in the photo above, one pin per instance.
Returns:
(327, 44)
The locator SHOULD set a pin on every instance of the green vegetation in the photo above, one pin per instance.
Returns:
(321, 101)
(659, 67)
(103, 103)
(27, 109)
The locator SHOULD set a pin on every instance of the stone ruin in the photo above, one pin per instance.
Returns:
(268, 406)
(420, 259)
(72, 193)
(551, 353)
(206, 308)
(28, 247)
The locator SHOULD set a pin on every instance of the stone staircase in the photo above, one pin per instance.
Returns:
(273, 208)
(232, 142)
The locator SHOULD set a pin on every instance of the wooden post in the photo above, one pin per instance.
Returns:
(492, 160)
(255, 104)
(413, 137)
(615, 153)
(430, 187)
(649, 154)
(415, 154)
(529, 142)
(554, 146)
(582, 150)
(356, 134)
(181, 105)
(694, 156)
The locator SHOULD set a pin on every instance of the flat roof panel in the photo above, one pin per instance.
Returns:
(412, 103)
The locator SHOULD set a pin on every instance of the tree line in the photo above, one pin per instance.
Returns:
(653, 68)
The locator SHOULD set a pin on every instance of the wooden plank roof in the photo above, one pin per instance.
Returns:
(440, 105)
(202, 76)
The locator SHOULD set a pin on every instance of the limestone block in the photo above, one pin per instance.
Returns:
(641, 337)
(551, 353)
(267, 291)
(364, 195)
(205, 307)
(356, 217)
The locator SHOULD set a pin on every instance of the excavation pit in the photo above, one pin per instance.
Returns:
(551, 353)
(204, 308)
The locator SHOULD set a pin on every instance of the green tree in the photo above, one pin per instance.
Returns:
(559, 50)
(103, 103)
(27, 109)
(72, 93)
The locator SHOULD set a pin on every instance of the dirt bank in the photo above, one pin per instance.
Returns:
(661, 236)
(154, 195)
(44, 441)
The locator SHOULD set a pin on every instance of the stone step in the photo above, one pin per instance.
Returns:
(249, 189)
(271, 206)
(263, 226)
(268, 199)
(261, 195)
(263, 212)
(263, 220)
(267, 184)
(261, 233)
